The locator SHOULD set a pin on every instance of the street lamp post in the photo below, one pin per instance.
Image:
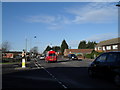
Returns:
(26, 44)
(118, 5)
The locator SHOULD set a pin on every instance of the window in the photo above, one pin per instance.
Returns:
(104, 48)
(112, 57)
(108, 47)
(95, 48)
(99, 48)
(115, 46)
(102, 58)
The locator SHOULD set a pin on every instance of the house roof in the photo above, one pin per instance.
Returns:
(12, 52)
(118, 4)
(109, 42)
(78, 50)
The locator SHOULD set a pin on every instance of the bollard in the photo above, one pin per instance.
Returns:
(23, 58)
(23, 63)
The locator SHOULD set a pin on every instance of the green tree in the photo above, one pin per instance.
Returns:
(56, 48)
(90, 45)
(82, 45)
(64, 46)
(47, 49)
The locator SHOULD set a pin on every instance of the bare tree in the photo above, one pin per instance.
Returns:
(34, 50)
(6, 46)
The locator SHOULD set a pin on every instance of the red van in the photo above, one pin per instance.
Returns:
(51, 56)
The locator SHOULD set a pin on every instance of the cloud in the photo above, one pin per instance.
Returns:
(94, 13)
(55, 27)
(74, 43)
(97, 38)
(59, 22)
(102, 37)
(60, 0)
(52, 22)
(47, 19)
(40, 19)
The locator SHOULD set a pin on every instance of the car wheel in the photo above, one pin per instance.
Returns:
(117, 80)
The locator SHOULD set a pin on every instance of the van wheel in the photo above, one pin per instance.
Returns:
(55, 61)
(47, 61)
(117, 80)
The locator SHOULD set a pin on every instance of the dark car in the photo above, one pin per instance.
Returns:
(72, 56)
(108, 65)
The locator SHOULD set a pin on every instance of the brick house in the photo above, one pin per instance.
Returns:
(108, 45)
(80, 52)
(11, 54)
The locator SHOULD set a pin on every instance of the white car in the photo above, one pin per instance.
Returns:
(42, 57)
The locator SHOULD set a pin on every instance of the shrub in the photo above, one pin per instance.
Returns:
(7, 60)
(10, 60)
(91, 55)
(65, 56)
(79, 55)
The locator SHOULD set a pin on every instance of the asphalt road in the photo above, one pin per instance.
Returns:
(62, 74)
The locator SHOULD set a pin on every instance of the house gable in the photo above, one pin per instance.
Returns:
(77, 51)
(108, 45)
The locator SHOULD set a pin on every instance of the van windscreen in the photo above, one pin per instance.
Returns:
(52, 54)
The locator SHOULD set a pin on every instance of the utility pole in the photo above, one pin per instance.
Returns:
(25, 49)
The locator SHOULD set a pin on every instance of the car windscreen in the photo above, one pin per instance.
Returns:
(52, 54)
(72, 54)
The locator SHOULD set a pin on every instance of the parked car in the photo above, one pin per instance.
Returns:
(72, 56)
(108, 65)
(42, 57)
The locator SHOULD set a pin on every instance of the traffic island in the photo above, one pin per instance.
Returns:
(27, 66)
(20, 68)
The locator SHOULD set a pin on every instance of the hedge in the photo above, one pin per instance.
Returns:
(10, 60)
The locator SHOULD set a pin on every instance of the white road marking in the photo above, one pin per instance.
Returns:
(37, 66)
(50, 74)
